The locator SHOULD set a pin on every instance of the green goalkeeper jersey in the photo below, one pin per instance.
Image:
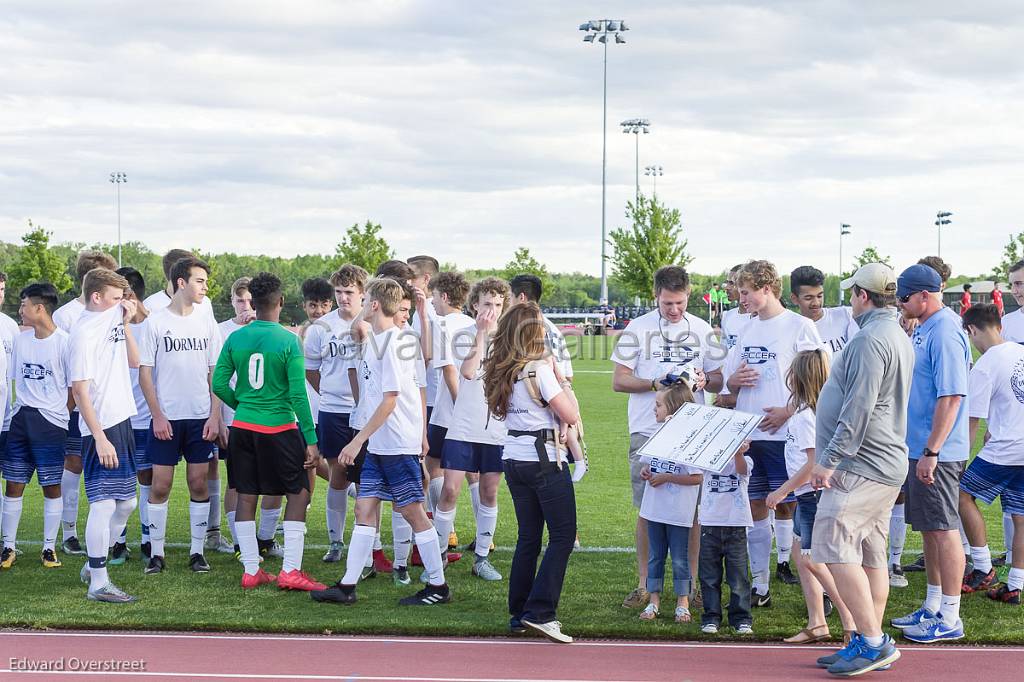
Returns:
(271, 378)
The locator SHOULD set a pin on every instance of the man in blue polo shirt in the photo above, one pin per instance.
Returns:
(938, 445)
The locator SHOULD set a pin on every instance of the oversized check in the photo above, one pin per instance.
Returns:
(701, 436)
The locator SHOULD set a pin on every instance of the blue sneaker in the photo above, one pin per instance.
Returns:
(934, 630)
(866, 658)
(913, 619)
(848, 651)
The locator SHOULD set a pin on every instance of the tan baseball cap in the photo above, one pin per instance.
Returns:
(875, 277)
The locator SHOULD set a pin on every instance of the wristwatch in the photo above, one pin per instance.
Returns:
(929, 453)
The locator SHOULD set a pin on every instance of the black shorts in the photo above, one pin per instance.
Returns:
(267, 463)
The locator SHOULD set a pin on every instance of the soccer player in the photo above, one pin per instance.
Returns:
(526, 288)
(395, 438)
(965, 299)
(997, 395)
(178, 352)
(102, 350)
(162, 298)
(268, 455)
(64, 317)
(756, 374)
(39, 427)
(807, 292)
(733, 319)
(9, 329)
(1013, 331)
(326, 362)
(997, 297)
(424, 268)
(473, 443)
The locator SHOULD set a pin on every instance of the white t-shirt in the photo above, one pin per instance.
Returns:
(66, 315)
(733, 322)
(769, 346)
(389, 365)
(652, 348)
(669, 503)
(526, 415)
(226, 329)
(451, 343)
(142, 415)
(555, 341)
(723, 499)
(431, 375)
(997, 394)
(41, 375)
(161, 300)
(799, 439)
(471, 420)
(324, 348)
(836, 327)
(1013, 326)
(181, 350)
(9, 329)
(99, 355)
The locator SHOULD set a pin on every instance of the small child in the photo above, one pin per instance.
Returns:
(669, 502)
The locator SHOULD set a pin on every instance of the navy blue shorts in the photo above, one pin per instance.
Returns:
(142, 462)
(110, 484)
(392, 478)
(34, 445)
(73, 446)
(987, 481)
(333, 433)
(186, 441)
(769, 472)
(806, 510)
(435, 439)
(472, 457)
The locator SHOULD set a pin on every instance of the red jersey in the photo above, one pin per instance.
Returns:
(997, 299)
(965, 302)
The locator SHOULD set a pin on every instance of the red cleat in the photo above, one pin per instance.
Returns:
(414, 559)
(381, 563)
(298, 580)
(251, 582)
(454, 556)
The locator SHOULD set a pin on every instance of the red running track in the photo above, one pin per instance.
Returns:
(196, 656)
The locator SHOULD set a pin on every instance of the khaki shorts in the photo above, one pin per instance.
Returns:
(636, 441)
(852, 522)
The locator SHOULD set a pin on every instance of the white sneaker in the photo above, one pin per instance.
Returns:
(552, 630)
(709, 629)
(215, 542)
(745, 629)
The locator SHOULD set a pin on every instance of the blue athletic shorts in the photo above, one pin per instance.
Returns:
(332, 434)
(435, 439)
(142, 462)
(186, 441)
(769, 469)
(392, 478)
(34, 445)
(110, 484)
(806, 510)
(473, 457)
(987, 481)
(74, 442)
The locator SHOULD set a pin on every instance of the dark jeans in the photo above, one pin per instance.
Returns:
(540, 498)
(728, 544)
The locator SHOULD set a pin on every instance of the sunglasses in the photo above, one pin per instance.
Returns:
(906, 299)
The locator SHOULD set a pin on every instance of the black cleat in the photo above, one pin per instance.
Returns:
(73, 546)
(760, 600)
(827, 603)
(783, 573)
(916, 567)
(999, 561)
(335, 594)
(428, 596)
(978, 581)
(198, 564)
(147, 550)
(156, 565)
(119, 554)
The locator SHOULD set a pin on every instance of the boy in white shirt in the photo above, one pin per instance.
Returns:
(807, 291)
(733, 319)
(526, 288)
(395, 437)
(1013, 323)
(178, 354)
(39, 427)
(8, 330)
(102, 350)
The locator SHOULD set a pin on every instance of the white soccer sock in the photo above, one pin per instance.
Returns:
(360, 548)
(759, 547)
(157, 527)
(933, 598)
(213, 518)
(486, 522)
(401, 533)
(950, 608)
(144, 511)
(119, 520)
(430, 552)
(981, 557)
(11, 518)
(1008, 537)
(231, 525)
(51, 521)
(1015, 581)
(268, 523)
(434, 489)
(69, 492)
(474, 497)
(784, 538)
(377, 544)
(294, 543)
(897, 534)
(337, 510)
(198, 516)
(444, 521)
(249, 550)
(97, 541)
(963, 539)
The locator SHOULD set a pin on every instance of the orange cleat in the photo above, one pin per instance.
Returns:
(251, 582)
(298, 580)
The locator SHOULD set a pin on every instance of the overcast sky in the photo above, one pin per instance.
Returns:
(467, 129)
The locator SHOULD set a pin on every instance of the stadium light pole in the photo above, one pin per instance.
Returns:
(636, 126)
(941, 219)
(603, 31)
(844, 229)
(117, 179)
(654, 171)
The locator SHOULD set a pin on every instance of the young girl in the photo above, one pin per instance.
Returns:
(668, 506)
(806, 376)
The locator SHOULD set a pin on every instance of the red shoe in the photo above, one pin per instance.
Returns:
(251, 582)
(454, 556)
(298, 580)
(381, 563)
(415, 559)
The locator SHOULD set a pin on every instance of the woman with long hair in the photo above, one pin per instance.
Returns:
(525, 389)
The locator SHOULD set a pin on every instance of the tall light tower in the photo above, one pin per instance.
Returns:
(941, 220)
(654, 171)
(844, 229)
(636, 126)
(604, 31)
(117, 179)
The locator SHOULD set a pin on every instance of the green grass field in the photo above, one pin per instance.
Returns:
(597, 581)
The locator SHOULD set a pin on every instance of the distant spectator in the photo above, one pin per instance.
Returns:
(997, 298)
(965, 299)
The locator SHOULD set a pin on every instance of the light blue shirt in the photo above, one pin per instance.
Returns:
(943, 361)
